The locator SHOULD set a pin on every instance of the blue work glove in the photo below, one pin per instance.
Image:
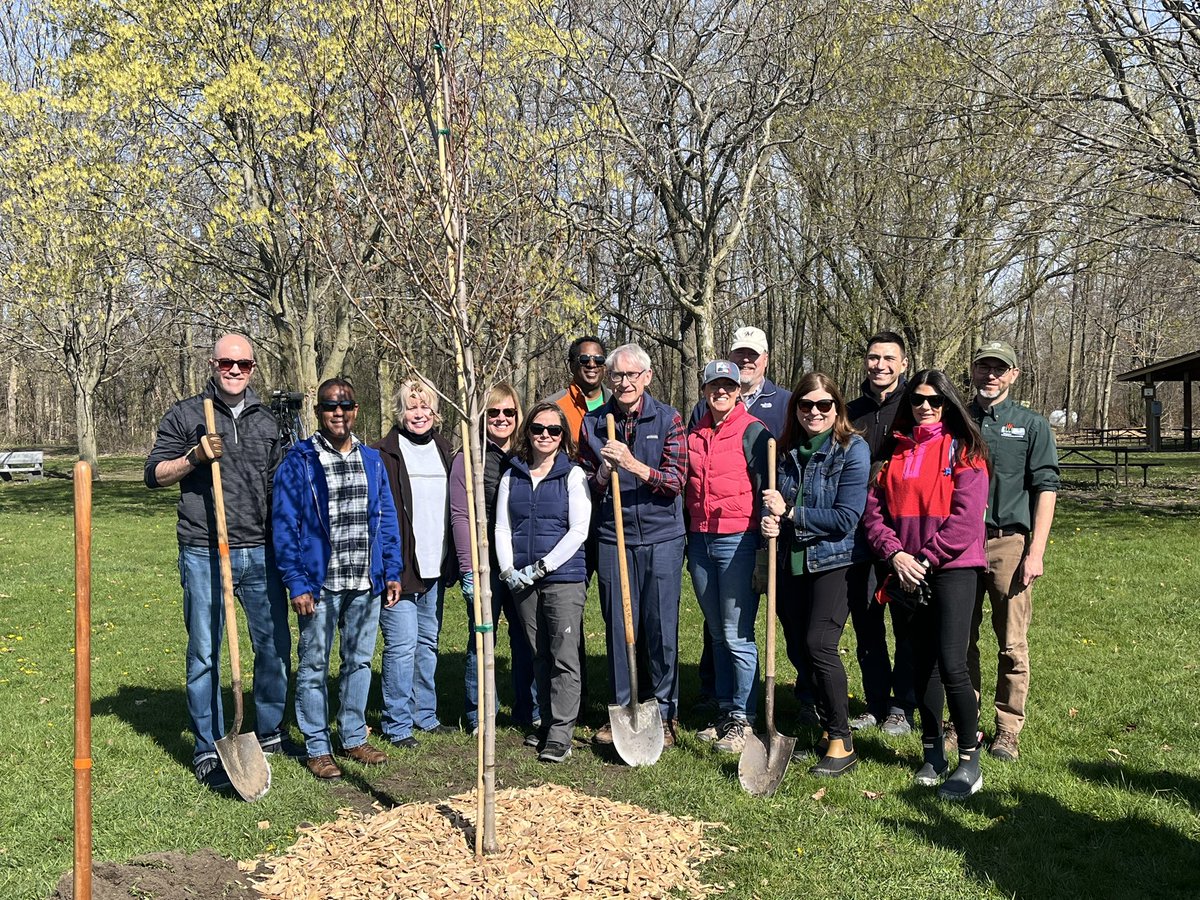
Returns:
(515, 580)
(534, 571)
(468, 585)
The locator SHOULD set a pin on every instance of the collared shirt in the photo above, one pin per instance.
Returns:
(349, 535)
(667, 474)
(1024, 461)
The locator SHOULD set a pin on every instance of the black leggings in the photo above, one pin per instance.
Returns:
(813, 609)
(941, 632)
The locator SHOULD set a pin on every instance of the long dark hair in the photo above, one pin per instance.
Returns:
(955, 418)
(524, 448)
(793, 432)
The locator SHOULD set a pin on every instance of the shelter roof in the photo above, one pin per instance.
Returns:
(1174, 369)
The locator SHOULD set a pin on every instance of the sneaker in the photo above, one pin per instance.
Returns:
(324, 768)
(439, 729)
(733, 738)
(603, 736)
(554, 752)
(533, 739)
(281, 744)
(405, 743)
(713, 731)
(863, 722)
(210, 773)
(365, 755)
(896, 724)
(1004, 746)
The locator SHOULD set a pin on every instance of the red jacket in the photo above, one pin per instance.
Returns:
(719, 494)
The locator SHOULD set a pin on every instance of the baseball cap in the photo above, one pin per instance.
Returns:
(751, 338)
(1001, 350)
(717, 370)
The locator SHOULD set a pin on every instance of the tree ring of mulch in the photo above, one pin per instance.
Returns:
(165, 876)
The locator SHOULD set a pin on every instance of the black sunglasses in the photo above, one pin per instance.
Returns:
(331, 405)
(584, 359)
(935, 401)
(553, 430)
(807, 406)
(494, 412)
(225, 364)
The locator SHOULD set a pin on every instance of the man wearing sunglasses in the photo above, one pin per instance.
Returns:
(248, 444)
(587, 390)
(1023, 491)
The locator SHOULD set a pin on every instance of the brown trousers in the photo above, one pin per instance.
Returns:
(1012, 609)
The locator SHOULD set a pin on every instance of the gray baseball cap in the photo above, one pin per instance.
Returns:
(720, 370)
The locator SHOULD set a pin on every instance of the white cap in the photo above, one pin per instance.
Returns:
(750, 338)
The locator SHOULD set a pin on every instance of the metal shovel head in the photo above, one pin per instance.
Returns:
(763, 763)
(637, 732)
(246, 765)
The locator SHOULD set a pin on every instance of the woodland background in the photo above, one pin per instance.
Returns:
(656, 170)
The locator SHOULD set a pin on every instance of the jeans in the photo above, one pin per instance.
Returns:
(256, 584)
(525, 706)
(722, 570)
(356, 615)
(410, 641)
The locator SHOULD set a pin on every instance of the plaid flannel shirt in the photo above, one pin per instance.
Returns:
(349, 524)
(667, 474)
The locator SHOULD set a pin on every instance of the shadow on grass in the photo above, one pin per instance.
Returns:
(156, 713)
(1156, 782)
(57, 497)
(1034, 847)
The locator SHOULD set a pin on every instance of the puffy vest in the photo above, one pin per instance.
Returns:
(719, 494)
(540, 516)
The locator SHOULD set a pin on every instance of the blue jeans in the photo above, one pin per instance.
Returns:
(410, 642)
(525, 707)
(356, 615)
(256, 584)
(722, 570)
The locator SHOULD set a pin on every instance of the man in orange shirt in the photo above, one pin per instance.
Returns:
(586, 390)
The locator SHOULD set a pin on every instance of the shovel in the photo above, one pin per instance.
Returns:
(637, 729)
(766, 756)
(240, 754)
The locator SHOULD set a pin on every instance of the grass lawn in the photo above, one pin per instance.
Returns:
(1104, 802)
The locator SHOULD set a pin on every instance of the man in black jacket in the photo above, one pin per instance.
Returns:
(888, 688)
(248, 444)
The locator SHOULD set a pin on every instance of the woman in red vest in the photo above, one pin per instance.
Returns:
(727, 460)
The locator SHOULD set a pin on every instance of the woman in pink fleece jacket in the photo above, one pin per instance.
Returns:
(924, 516)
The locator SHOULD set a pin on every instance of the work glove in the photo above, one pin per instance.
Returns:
(210, 448)
(468, 585)
(534, 571)
(515, 580)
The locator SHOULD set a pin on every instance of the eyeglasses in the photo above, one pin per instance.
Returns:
(537, 428)
(618, 377)
(585, 359)
(984, 369)
(225, 364)
(495, 412)
(331, 405)
(935, 401)
(807, 406)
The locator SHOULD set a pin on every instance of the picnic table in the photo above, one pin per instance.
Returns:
(1093, 458)
(20, 462)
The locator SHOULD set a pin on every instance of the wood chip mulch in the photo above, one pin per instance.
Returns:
(554, 843)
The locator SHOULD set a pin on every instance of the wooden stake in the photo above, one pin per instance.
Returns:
(82, 873)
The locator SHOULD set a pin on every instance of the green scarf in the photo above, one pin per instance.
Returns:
(797, 561)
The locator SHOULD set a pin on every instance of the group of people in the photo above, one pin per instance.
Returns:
(907, 498)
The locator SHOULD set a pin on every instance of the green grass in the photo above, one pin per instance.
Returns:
(1104, 802)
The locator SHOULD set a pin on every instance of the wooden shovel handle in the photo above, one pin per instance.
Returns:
(622, 564)
(231, 632)
(772, 544)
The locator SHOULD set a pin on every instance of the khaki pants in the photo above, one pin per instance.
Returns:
(1012, 609)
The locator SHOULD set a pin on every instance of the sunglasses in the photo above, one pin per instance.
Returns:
(331, 405)
(935, 401)
(225, 364)
(495, 412)
(537, 429)
(807, 406)
(585, 359)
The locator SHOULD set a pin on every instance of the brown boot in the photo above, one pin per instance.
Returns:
(324, 768)
(839, 759)
(365, 754)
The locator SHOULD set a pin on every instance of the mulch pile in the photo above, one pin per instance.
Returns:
(554, 842)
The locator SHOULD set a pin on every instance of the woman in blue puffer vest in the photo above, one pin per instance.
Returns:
(543, 511)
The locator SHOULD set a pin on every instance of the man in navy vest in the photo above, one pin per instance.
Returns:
(649, 455)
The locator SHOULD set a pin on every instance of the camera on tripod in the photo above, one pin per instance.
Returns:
(286, 406)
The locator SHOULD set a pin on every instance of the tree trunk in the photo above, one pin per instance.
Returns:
(13, 388)
(85, 421)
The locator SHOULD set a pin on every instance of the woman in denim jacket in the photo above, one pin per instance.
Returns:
(823, 471)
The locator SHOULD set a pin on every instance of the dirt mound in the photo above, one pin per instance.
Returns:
(166, 876)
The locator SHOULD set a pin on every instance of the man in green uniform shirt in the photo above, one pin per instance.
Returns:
(1023, 490)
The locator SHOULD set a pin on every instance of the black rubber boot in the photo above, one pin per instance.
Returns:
(834, 766)
(935, 768)
(966, 780)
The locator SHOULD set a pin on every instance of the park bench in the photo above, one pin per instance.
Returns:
(1096, 467)
(20, 462)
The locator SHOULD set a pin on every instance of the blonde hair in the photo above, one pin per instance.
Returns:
(414, 388)
(503, 393)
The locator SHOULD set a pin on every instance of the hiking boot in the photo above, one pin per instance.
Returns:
(554, 752)
(604, 735)
(1004, 746)
(210, 773)
(896, 724)
(439, 729)
(324, 768)
(405, 743)
(733, 738)
(966, 780)
(365, 755)
(950, 738)
(862, 723)
(670, 733)
(713, 731)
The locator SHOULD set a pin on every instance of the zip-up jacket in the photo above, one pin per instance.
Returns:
(725, 473)
(828, 496)
(769, 407)
(252, 451)
(300, 518)
(874, 417)
(539, 517)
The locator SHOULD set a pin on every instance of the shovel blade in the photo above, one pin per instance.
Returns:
(246, 765)
(637, 732)
(764, 762)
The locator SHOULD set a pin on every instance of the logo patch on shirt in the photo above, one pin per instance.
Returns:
(766, 404)
(653, 437)
(1011, 430)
